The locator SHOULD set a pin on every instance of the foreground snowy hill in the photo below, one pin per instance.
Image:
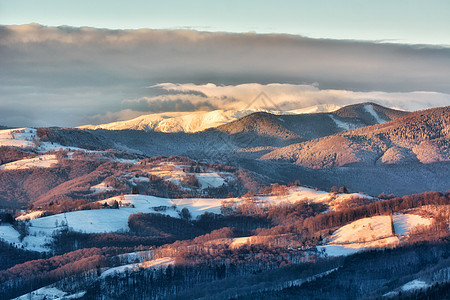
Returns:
(284, 237)
(41, 229)
(374, 232)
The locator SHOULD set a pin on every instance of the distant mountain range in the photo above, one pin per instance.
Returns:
(241, 129)
(399, 152)
(170, 122)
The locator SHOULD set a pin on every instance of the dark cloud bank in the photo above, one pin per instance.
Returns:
(63, 75)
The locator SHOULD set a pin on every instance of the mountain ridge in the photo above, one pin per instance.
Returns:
(419, 136)
(311, 126)
(190, 122)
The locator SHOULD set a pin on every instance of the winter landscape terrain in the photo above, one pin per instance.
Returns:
(280, 204)
(225, 150)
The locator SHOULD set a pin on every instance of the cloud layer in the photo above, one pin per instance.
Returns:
(285, 97)
(71, 76)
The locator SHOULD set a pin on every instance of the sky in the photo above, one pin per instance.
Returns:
(69, 63)
(406, 21)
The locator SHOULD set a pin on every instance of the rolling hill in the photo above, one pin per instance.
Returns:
(289, 128)
(422, 136)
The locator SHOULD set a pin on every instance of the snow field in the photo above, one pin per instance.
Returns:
(349, 249)
(42, 229)
(403, 223)
(30, 242)
(19, 137)
(23, 138)
(407, 287)
(367, 229)
(100, 188)
(50, 293)
(210, 180)
(371, 232)
(9, 234)
(43, 161)
(196, 121)
(307, 194)
(176, 121)
(26, 137)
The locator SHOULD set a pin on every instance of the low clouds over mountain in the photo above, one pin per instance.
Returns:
(113, 68)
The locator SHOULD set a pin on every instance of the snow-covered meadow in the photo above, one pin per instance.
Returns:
(41, 229)
(374, 232)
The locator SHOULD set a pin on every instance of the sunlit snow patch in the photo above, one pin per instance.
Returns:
(101, 187)
(361, 234)
(43, 161)
(31, 215)
(19, 137)
(50, 293)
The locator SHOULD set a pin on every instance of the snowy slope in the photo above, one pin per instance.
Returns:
(371, 233)
(50, 293)
(101, 187)
(134, 257)
(9, 234)
(369, 108)
(416, 284)
(43, 161)
(176, 121)
(42, 229)
(403, 223)
(114, 220)
(30, 216)
(308, 194)
(367, 229)
(361, 234)
(27, 138)
(19, 137)
(156, 264)
(208, 180)
(342, 124)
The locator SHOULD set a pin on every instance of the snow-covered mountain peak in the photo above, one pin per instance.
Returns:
(194, 121)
